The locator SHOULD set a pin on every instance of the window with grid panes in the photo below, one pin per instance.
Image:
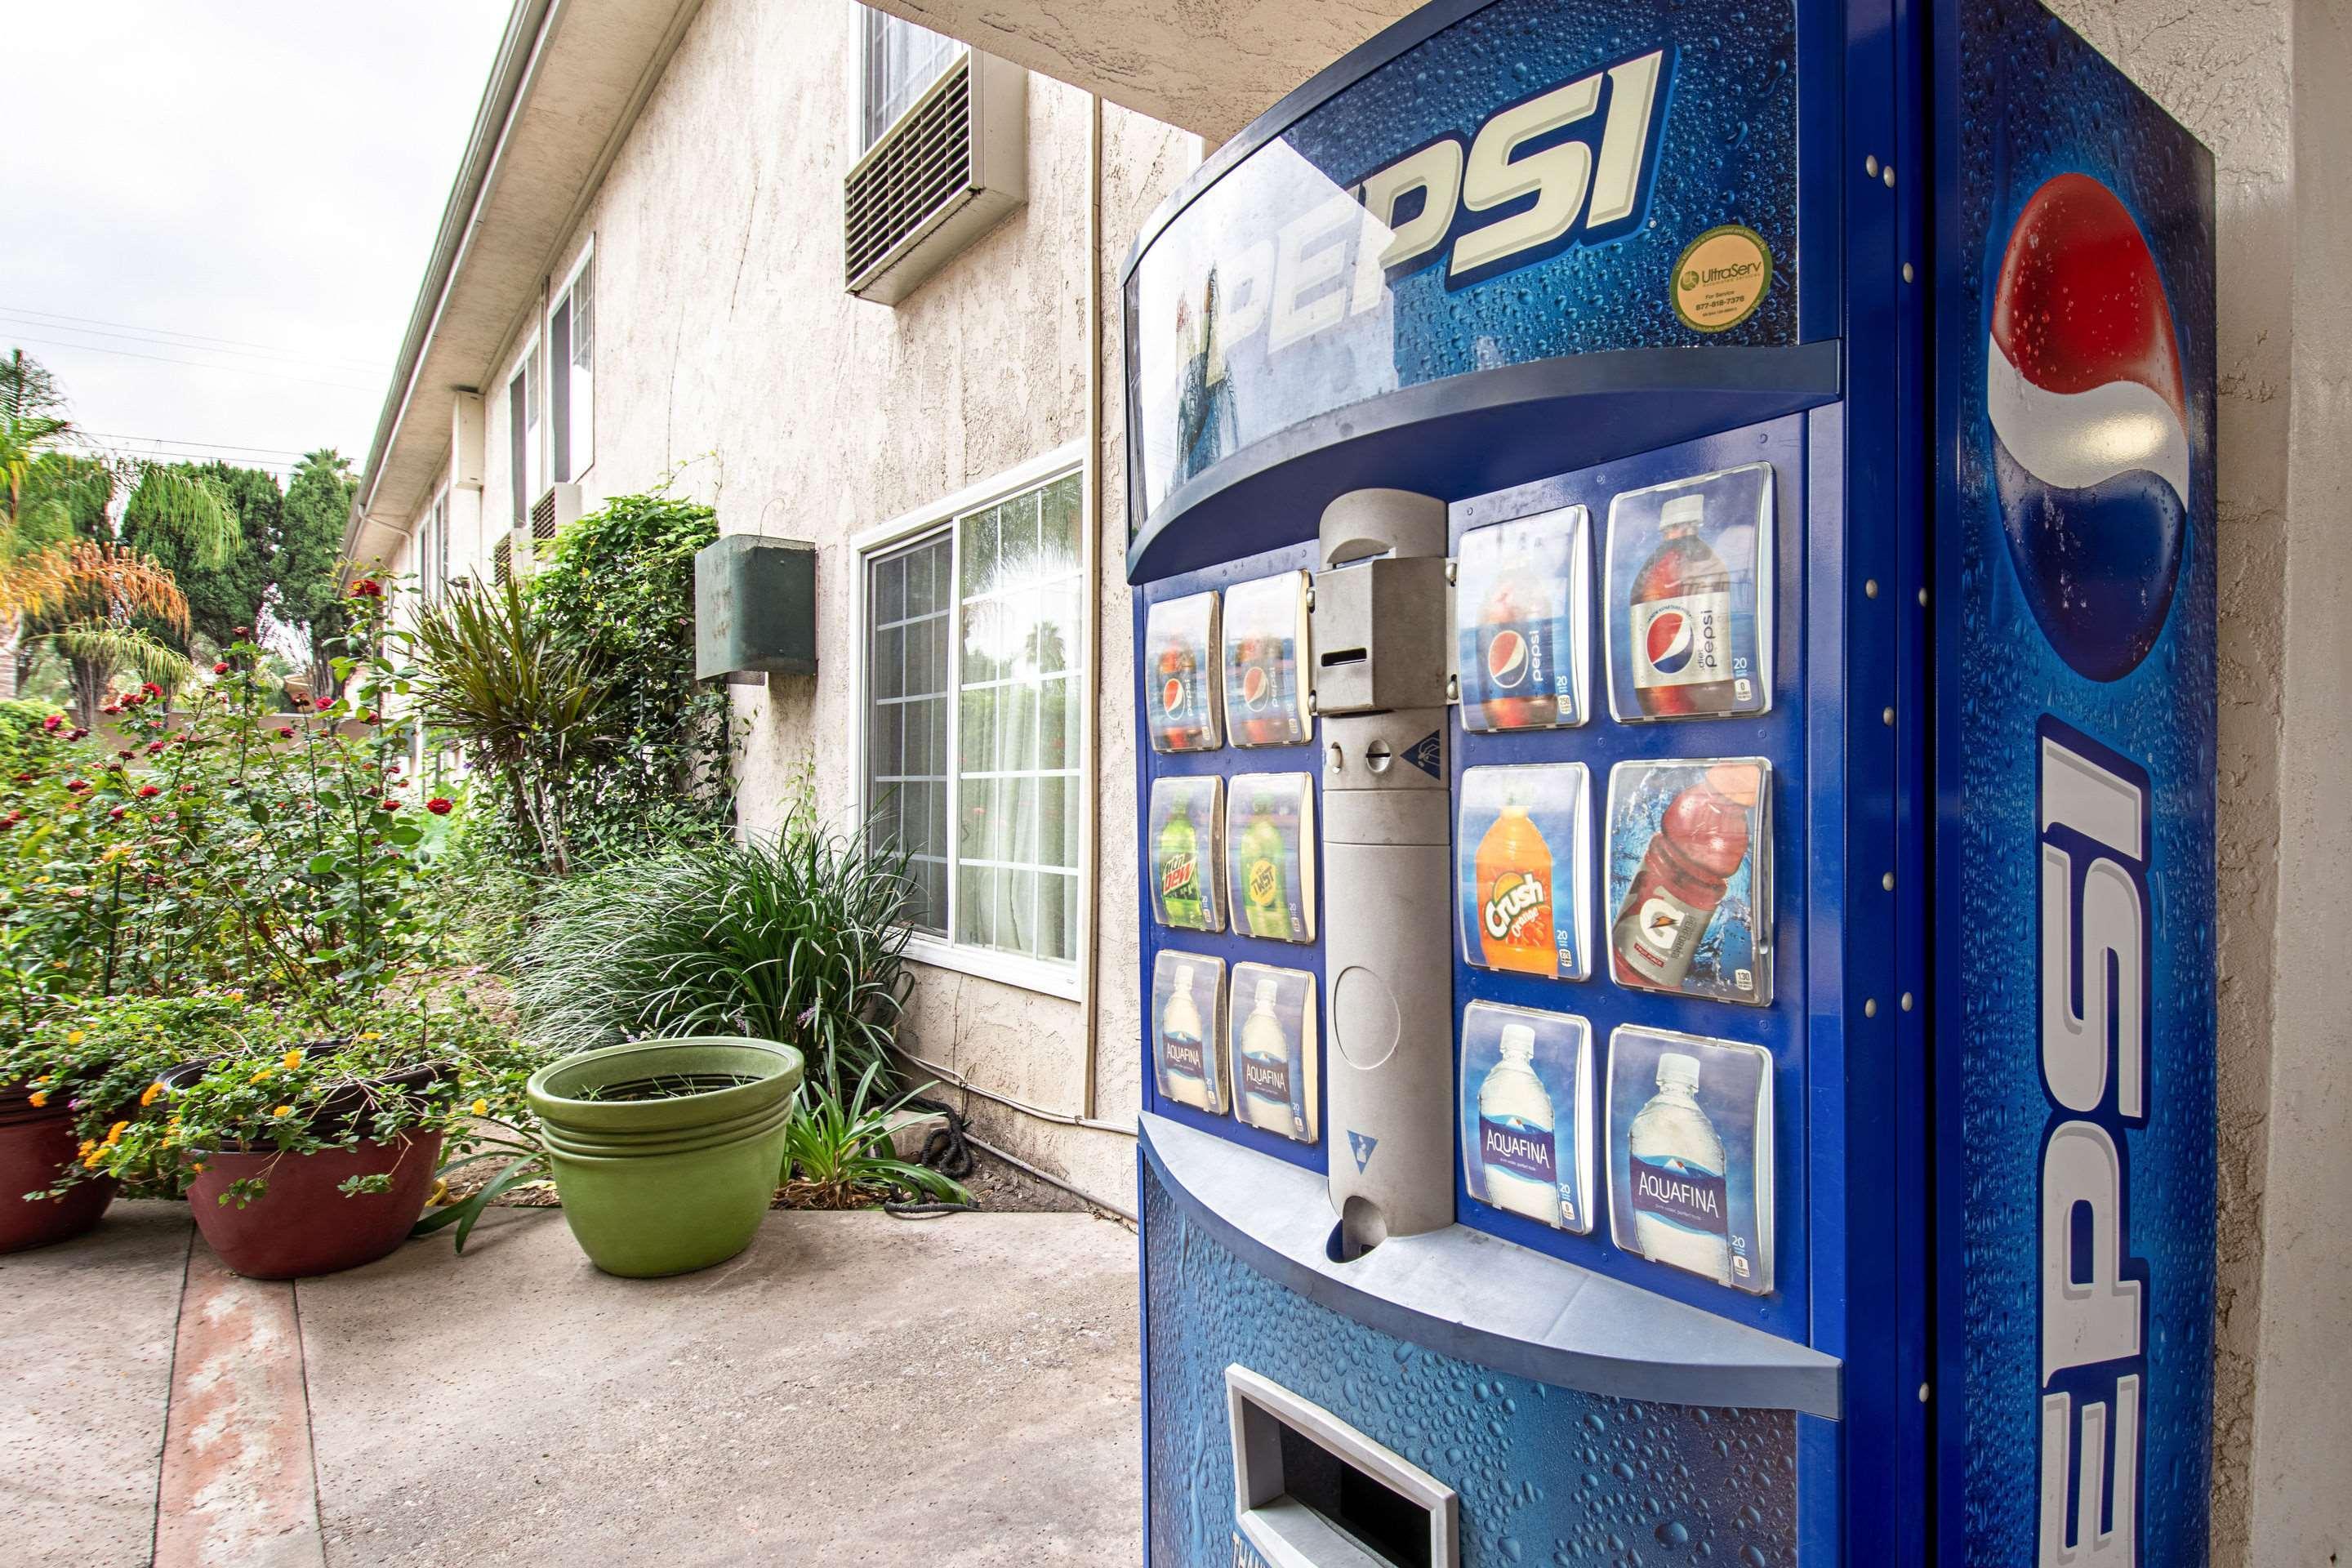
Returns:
(973, 704)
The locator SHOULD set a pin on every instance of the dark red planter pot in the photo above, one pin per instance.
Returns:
(35, 1147)
(301, 1224)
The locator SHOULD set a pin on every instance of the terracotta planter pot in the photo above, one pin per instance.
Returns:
(301, 1224)
(35, 1147)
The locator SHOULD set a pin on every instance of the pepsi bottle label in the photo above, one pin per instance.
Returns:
(1265, 628)
(1682, 641)
(1680, 1194)
(1181, 689)
(1521, 589)
(1689, 583)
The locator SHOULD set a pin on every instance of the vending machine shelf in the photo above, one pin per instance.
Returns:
(1468, 1295)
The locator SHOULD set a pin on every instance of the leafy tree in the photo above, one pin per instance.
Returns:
(309, 567)
(225, 596)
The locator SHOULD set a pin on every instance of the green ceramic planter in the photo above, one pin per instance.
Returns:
(656, 1186)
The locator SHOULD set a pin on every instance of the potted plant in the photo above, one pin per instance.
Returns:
(306, 1143)
(666, 1153)
(72, 1079)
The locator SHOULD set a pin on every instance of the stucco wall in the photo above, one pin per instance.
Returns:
(729, 359)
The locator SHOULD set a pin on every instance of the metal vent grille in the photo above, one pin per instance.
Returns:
(502, 560)
(542, 515)
(919, 170)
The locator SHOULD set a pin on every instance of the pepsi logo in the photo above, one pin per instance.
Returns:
(1506, 658)
(1669, 641)
(1254, 687)
(1172, 696)
(2090, 426)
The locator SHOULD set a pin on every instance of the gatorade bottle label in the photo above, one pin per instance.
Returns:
(1682, 641)
(1680, 1195)
(1522, 1151)
(1658, 937)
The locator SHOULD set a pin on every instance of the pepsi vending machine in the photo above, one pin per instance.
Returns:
(1674, 551)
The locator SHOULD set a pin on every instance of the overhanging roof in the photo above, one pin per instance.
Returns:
(568, 81)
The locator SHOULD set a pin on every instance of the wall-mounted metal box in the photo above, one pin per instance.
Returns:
(754, 608)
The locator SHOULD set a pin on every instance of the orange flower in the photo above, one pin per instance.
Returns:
(293, 1059)
(38, 1098)
(149, 1096)
(283, 1111)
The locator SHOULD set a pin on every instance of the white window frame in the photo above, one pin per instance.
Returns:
(861, 64)
(534, 438)
(582, 409)
(1051, 977)
(432, 550)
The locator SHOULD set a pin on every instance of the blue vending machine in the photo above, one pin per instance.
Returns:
(1674, 550)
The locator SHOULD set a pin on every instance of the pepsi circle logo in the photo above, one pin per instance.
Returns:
(1506, 658)
(1172, 696)
(2090, 426)
(1254, 687)
(1669, 642)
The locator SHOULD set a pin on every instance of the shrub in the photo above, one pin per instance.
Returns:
(796, 937)
(838, 1153)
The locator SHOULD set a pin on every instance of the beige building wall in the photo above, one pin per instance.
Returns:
(730, 364)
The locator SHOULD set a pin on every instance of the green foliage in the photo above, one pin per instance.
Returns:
(225, 847)
(838, 1156)
(528, 705)
(617, 588)
(797, 938)
(226, 582)
(308, 572)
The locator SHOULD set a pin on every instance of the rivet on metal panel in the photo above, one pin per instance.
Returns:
(1870, 589)
(1887, 881)
(1906, 1001)
(1923, 1393)
(1906, 272)
(1869, 165)
(1886, 715)
(1870, 1008)
(1923, 598)
(1888, 175)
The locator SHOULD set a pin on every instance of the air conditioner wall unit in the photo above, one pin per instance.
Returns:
(948, 170)
(557, 505)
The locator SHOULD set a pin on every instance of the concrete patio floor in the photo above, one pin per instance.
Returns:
(854, 1389)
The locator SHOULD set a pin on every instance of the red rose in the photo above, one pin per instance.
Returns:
(324, 703)
(127, 756)
(187, 789)
(390, 805)
(149, 792)
(367, 588)
(117, 813)
(77, 785)
(110, 707)
(155, 747)
(285, 733)
(150, 689)
(23, 778)
(76, 734)
(440, 806)
(52, 722)
(370, 717)
(221, 669)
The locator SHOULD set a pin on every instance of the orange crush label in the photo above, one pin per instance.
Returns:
(1514, 904)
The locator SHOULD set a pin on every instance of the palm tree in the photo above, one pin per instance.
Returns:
(59, 560)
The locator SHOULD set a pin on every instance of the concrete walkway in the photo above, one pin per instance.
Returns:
(855, 1389)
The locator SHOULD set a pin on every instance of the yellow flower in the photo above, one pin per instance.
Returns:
(89, 1160)
(40, 1080)
(87, 1145)
(149, 1095)
(293, 1059)
(74, 1037)
(481, 1108)
(38, 1098)
(258, 1077)
(198, 1167)
(114, 1133)
(283, 1111)
(372, 1034)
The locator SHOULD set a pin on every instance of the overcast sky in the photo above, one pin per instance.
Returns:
(224, 208)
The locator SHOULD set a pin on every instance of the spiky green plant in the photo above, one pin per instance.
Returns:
(796, 936)
(837, 1151)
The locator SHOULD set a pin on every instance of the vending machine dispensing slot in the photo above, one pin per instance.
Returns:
(1379, 629)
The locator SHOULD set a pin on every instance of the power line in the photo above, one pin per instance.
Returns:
(166, 343)
(345, 360)
(177, 441)
(195, 364)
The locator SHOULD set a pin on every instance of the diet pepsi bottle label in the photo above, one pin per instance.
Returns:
(1681, 1194)
(1682, 641)
(1507, 1145)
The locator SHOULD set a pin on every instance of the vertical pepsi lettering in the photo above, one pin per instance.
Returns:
(2093, 970)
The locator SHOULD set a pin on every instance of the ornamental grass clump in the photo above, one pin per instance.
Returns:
(797, 937)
